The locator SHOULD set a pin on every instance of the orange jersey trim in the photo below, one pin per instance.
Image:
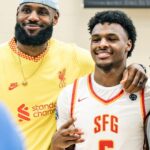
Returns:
(73, 98)
(13, 46)
(142, 100)
(109, 101)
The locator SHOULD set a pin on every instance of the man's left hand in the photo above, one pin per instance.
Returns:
(134, 78)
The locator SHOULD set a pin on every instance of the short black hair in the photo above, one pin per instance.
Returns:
(115, 16)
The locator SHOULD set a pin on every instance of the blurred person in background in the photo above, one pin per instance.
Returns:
(10, 136)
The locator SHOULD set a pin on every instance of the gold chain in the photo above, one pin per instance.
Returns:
(25, 79)
(14, 48)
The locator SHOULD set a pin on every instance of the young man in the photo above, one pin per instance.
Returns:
(107, 116)
(34, 67)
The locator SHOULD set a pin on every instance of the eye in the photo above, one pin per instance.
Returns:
(112, 38)
(43, 12)
(95, 39)
(26, 10)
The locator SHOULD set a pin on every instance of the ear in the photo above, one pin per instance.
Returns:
(129, 45)
(17, 11)
(55, 18)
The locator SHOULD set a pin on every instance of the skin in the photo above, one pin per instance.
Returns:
(109, 49)
(41, 16)
(67, 135)
(130, 77)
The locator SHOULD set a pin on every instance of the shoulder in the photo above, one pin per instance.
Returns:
(69, 48)
(66, 92)
(4, 50)
(73, 54)
(80, 82)
(147, 96)
(4, 46)
(65, 96)
(147, 88)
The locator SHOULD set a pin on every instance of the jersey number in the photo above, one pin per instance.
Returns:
(104, 144)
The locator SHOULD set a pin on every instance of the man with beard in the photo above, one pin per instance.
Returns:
(34, 67)
(101, 114)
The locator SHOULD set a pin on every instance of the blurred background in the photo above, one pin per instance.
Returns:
(72, 25)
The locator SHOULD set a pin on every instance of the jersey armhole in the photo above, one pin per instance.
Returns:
(143, 107)
(73, 98)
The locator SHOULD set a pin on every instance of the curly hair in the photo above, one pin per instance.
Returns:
(118, 17)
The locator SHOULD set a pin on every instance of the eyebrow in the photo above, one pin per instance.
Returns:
(109, 34)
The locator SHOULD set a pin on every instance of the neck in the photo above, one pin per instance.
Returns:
(32, 50)
(108, 79)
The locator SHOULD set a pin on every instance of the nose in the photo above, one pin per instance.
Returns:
(33, 16)
(103, 44)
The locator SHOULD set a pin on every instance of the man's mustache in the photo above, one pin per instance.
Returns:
(32, 23)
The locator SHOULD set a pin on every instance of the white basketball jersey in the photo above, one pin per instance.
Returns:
(108, 124)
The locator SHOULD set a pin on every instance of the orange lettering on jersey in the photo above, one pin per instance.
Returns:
(106, 122)
(114, 125)
(97, 124)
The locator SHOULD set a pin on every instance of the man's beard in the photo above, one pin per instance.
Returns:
(39, 39)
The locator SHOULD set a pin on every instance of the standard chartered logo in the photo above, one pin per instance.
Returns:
(23, 113)
(43, 110)
(35, 111)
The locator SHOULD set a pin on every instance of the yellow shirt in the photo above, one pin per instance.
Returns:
(33, 105)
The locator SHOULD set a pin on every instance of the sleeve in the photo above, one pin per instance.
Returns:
(63, 106)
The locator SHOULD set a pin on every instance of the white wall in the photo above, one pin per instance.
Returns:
(7, 19)
(72, 26)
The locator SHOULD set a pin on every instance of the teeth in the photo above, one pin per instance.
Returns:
(99, 51)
